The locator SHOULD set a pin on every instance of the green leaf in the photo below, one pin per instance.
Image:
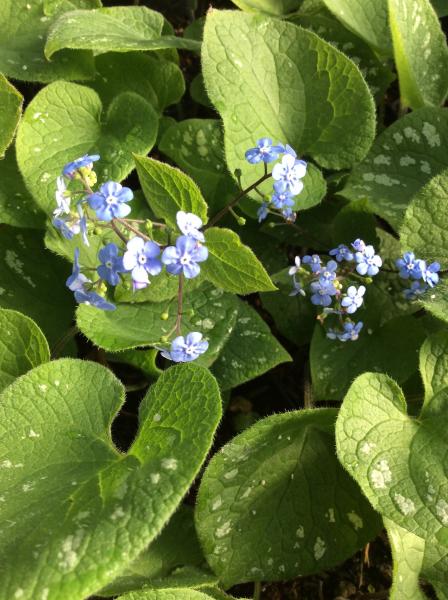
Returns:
(391, 348)
(436, 301)
(434, 364)
(258, 96)
(32, 281)
(177, 545)
(69, 492)
(160, 82)
(424, 229)
(274, 8)
(441, 7)
(23, 346)
(24, 27)
(10, 110)
(250, 351)
(65, 121)
(368, 19)
(233, 266)
(284, 466)
(167, 594)
(52, 6)
(134, 325)
(17, 206)
(116, 29)
(421, 53)
(168, 190)
(401, 161)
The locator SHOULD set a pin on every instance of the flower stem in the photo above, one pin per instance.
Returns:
(257, 590)
(118, 232)
(180, 292)
(134, 229)
(219, 215)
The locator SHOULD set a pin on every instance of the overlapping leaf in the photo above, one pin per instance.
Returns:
(10, 111)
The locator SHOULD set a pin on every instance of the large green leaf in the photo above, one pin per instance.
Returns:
(366, 18)
(233, 266)
(32, 281)
(425, 225)
(17, 206)
(10, 111)
(434, 364)
(274, 503)
(22, 346)
(65, 121)
(24, 27)
(391, 348)
(275, 8)
(403, 158)
(264, 75)
(168, 190)
(421, 53)
(435, 301)
(160, 82)
(250, 351)
(116, 29)
(68, 491)
(174, 594)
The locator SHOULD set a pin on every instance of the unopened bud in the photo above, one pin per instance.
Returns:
(241, 221)
(238, 173)
(164, 339)
(164, 316)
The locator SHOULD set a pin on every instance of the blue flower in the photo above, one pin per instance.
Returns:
(67, 226)
(351, 332)
(295, 268)
(62, 198)
(313, 261)
(359, 245)
(417, 289)
(342, 252)
(289, 214)
(264, 151)
(297, 288)
(354, 299)
(409, 266)
(262, 212)
(111, 264)
(190, 224)
(111, 201)
(93, 299)
(322, 292)
(83, 225)
(184, 256)
(76, 280)
(369, 263)
(287, 175)
(430, 274)
(282, 200)
(85, 161)
(186, 349)
(141, 258)
(329, 273)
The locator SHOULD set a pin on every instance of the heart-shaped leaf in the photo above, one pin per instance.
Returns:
(68, 491)
(65, 121)
(284, 466)
(275, 8)
(10, 111)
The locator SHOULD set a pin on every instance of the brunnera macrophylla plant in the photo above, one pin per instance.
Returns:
(282, 225)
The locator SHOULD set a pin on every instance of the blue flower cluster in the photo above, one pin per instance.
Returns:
(287, 175)
(326, 280)
(421, 275)
(140, 256)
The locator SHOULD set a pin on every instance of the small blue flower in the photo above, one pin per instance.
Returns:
(359, 245)
(264, 151)
(289, 214)
(93, 299)
(184, 257)
(314, 262)
(262, 212)
(409, 266)
(342, 252)
(190, 224)
(76, 280)
(417, 289)
(111, 264)
(297, 288)
(141, 259)
(354, 299)
(351, 332)
(67, 226)
(85, 161)
(369, 263)
(111, 201)
(322, 293)
(295, 268)
(62, 198)
(82, 224)
(288, 175)
(186, 349)
(430, 274)
(329, 273)
(282, 200)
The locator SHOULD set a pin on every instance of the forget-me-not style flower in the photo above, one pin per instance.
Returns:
(369, 263)
(430, 274)
(85, 161)
(409, 266)
(76, 280)
(111, 201)
(186, 349)
(322, 292)
(190, 224)
(288, 175)
(184, 257)
(262, 212)
(111, 264)
(93, 299)
(351, 332)
(141, 259)
(263, 152)
(313, 261)
(354, 298)
(342, 252)
(62, 199)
